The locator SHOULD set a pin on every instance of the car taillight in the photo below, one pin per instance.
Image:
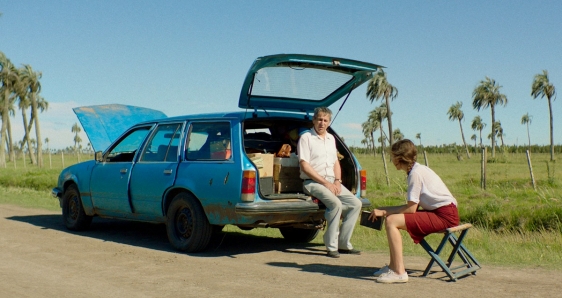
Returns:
(248, 186)
(363, 175)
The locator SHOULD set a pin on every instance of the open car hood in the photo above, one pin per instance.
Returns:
(295, 82)
(105, 123)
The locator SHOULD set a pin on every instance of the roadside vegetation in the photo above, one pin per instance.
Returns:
(514, 224)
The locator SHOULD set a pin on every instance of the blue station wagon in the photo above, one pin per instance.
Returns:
(198, 173)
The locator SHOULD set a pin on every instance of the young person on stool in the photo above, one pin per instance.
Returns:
(321, 172)
(426, 190)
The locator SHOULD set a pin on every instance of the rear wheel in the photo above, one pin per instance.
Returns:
(72, 210)
(187, 225)
(299, 235)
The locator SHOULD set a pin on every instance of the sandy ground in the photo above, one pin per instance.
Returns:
(40, 258)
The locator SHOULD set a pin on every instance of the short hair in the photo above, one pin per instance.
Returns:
(323, 110)
(405, 151)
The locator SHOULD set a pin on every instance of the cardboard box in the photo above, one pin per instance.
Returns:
(264, 162)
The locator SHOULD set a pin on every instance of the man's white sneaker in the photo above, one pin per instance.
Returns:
(392, 277)
(381, 271)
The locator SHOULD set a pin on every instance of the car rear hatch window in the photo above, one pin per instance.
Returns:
(291, 82)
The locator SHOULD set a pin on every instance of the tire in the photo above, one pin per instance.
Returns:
(187, 225)
(299, 235)
(73, 213)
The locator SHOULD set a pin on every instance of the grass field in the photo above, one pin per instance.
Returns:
(514, 224)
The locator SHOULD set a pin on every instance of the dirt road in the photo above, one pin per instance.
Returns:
(40, 258)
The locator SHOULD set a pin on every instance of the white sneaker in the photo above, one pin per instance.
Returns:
(391, 277)
(381, 271)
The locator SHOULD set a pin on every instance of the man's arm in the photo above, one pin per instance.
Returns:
(310, 172)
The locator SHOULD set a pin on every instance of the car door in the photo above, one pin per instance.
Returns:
(155, 171)
(109, 183)
(210, 170)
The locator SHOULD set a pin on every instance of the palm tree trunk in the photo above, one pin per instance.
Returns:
(10, 142)
(37, 130)
(529, 137)
(463, 141)
(480, 138)
(551, 129)
(493, 132)
(26, 139)
(384, 161)
(3, 130)
(389, 119)
(374, 147)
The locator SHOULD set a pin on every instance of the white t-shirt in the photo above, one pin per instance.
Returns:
(320, 153)
(427, 189)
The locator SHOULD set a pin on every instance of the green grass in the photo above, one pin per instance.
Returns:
(515, 225)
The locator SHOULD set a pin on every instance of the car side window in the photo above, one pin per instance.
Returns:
(125, 149)
(209, 141)
(163, 146)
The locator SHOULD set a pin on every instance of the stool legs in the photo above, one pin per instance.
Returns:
(469, 261)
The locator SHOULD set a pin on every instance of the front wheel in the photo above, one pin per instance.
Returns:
(299, 235)
(187, 225)
(73, 213)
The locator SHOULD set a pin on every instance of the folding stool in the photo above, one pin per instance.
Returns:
(470, 264)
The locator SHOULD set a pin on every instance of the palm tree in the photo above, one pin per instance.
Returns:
(77, 141)
(76, 130)
(378, 115)
(487, 94)
(369, 128)
(473, 137)
(367, 143)
(31, 79)
(418, 136)
(455, 113)
(379, 88)
(526, 120)
(498, 130)
(397, 134)
(8, 78)
(21, 90)
(477, 124)
(9, 139)
(542, 87)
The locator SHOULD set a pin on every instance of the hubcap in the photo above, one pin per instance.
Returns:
(73, 208)
(184, 223)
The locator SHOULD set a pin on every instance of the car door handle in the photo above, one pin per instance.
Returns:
(168, 171)
(123, 171)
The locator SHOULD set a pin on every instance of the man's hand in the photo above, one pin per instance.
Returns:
(335, 187)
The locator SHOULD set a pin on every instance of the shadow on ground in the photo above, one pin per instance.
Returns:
(354, 272)
(153, 236)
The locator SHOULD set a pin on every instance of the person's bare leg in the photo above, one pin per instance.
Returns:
(395, 223)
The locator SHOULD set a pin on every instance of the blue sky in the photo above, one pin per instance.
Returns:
(184, 57)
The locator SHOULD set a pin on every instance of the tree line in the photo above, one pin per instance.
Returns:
(487, 94)
(21, 86)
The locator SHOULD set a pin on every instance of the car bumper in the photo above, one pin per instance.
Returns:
(56, 192)
(293, 207)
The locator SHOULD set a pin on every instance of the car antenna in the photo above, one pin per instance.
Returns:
(343, 103)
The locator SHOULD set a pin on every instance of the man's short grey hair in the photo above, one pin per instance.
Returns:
(323, 110)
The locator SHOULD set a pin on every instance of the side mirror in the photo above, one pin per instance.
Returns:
(99, 156)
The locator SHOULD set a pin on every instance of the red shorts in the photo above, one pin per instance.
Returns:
(425, 222)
